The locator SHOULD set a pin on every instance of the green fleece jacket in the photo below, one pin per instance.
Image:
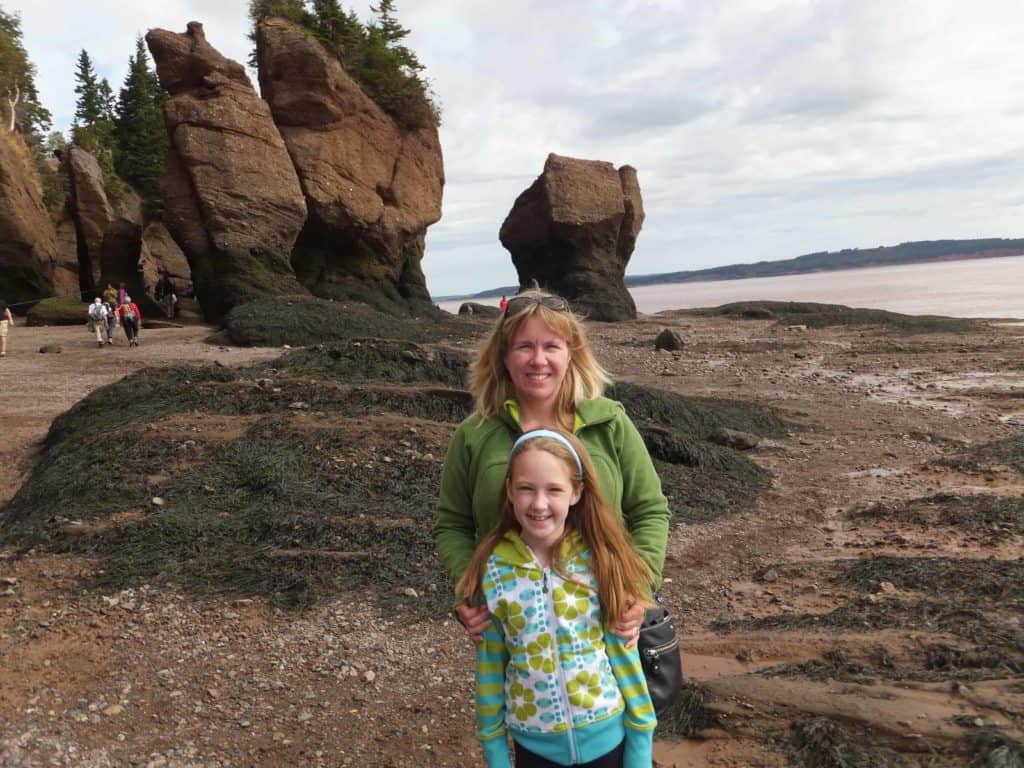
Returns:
(472, 483)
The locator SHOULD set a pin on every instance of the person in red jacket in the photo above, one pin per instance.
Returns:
(131, 320)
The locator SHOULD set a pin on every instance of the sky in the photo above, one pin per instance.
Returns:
(760, 129)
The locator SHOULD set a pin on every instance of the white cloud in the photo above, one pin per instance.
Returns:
(759, 130)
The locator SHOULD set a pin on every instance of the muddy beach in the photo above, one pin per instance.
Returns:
(864, 600)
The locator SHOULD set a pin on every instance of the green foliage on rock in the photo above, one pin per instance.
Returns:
(93, 129)
(140, 152)
(373, 54)
(815, 315)
(57, 311)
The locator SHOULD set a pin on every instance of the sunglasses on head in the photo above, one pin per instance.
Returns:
(519, 304)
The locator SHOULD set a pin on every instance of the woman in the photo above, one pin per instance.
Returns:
(536, 370)
(130, 318)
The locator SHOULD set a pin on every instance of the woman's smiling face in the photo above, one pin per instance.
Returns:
(540, 490)
(537, 361)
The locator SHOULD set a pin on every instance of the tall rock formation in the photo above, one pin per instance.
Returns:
(574, 230)
(28, 241)
(233, 201)
(91, 213)
(372, 188)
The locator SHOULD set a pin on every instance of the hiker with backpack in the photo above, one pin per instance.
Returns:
(131, 320)
(98, 319)
(111, 321)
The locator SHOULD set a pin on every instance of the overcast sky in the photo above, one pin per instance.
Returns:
(760, 129)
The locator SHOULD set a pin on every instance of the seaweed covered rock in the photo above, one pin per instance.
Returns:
(372, 187)
(28, 244)
(574, 229)
(233, 201)
(300, 321)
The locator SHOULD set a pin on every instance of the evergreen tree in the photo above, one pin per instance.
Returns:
(372, 54)
(140, 136)
(93, 129)
(17, 83)
(89, 107)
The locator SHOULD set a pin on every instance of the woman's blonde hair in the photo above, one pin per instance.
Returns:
(584, 379)
(620, 572)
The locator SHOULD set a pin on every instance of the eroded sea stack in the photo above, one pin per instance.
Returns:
(233, 201)
(371, 186)
(574, 230)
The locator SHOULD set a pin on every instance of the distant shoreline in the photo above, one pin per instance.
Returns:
(948, 287)
(921, 252)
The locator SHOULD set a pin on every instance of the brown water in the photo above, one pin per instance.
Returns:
(971, 288)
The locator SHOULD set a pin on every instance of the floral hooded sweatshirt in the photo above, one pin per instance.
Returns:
(548, 671)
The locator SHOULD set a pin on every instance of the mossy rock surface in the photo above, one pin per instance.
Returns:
(309, 475)
(58, 311)
(815, 315)
(298, 321)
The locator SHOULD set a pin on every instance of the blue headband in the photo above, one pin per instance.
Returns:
(535, 433)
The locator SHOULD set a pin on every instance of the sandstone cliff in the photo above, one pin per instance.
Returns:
(372, 188)
(233, 201)
(574, 230)
(91, 213)
(28, 241)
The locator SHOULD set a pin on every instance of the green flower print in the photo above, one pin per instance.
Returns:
(511, 615)
(584, 689)
(540, 655)
(521, 702)
(571, 602)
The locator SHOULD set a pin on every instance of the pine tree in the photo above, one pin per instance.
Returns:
(89, 107)
(93, 129)
(19, 100)
(139, 131)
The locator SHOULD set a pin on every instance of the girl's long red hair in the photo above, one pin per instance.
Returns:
(620, 572)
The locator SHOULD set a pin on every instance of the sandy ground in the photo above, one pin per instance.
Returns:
(149, 677)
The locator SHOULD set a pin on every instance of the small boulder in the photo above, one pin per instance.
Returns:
(669, 340)
(51, 349)
(733, 438)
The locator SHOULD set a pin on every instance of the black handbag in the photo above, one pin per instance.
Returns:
(659, 656)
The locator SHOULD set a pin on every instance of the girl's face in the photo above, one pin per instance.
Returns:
(540, 490)
(536, 361)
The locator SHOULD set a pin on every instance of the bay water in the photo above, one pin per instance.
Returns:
(992, 288)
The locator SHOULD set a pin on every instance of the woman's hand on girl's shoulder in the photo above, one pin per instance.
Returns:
(475, 618)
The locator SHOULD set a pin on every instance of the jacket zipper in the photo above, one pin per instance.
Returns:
(558, 665)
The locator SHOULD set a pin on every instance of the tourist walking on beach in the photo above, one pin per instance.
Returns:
(6, 323)
(98, 319)
(164, 294)
(503, 304)
(130, 319)
(122, 293)
(111, 321)
(536, 370)
(556, 573)
(110, 295)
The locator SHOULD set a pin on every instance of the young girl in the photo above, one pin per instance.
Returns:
(556, 573)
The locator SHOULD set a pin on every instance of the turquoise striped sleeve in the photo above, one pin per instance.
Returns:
(639, 717)
(626, 667)
(491, 659)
